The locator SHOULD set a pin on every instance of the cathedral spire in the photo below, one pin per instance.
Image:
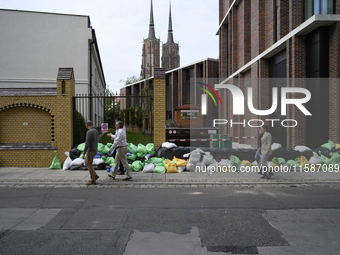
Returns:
(170, 34)
(152, 25)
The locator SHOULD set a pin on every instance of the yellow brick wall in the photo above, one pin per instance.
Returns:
(13, 130)
(50, 120)
(159, 111)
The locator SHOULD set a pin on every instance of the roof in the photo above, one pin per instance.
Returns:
(65, 73)
(28, 91)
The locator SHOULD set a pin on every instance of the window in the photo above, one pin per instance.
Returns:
(318, 7)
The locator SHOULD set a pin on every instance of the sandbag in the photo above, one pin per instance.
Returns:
(132, 157)
(208, 159)
(276, 146)
(142, 149)
(81, 147)
(246, 163)
(275, 167)
(195, 157)
(315, 159)
(168, 145)
(100, 147)
(293, 163)
(200, 167)
(160, 169)
(109, 145)
(335, 157)
(67, 162)
(190, 167)
(302, 148)
(235, 161)
(225, 163)
(150, 148)
(105, 149)
(148, 168)
(138, 165)
(170, 166)
(98, 155)
(141, 154)
(181, 169)
(132, 148)
(330, 145)
(78, 162)
(279, 161)
(180, 162)
(97, 161)
(109, 161)
(74, 153)
(337, 146)
(155, 160)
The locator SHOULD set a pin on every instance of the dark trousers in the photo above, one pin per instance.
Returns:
(121, 168)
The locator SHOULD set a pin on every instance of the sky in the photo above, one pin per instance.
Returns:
(121, 26)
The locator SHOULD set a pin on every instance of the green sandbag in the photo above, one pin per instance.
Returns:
(105, 150)
(150, 148)
(138, 165)
(109, 161)
(330, 145)
(160, 169)
(131, 167)
(141, 154)
(155, 160)
(132, 148)
(81, 147)
(100, 147)
(292, 163)
(325, 160)
(279, 161)
(335, 157)
(132, 157)
(142, 149)
(55, 162)
(81, 155)
(235, 161)
(109, 145)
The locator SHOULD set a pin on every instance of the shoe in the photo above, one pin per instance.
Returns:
(91, 183)
(112, 178)
(97, 177)
(127, 179)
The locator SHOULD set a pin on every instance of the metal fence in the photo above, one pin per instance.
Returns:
(135, 111)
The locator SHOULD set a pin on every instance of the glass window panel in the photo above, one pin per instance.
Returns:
(308, 9)
(317, 7)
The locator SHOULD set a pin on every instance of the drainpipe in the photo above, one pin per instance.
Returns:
(91, 109)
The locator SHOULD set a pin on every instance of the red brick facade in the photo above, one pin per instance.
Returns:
(246, 38)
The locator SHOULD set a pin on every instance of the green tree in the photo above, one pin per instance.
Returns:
(130, 80)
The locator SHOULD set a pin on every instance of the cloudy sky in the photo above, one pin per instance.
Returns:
(121, 26)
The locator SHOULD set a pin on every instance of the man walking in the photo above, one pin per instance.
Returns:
(91, 149)
(120, 145)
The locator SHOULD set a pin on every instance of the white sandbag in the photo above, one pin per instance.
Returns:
(254, 163)
(78, 162)
(315, 159)
(194, 157)
(181, 169)
(168, 145)
(190, 167)
(302, 148)
(225, 162)
(200, 167)
(186, 155)
(213, 168)
(208, 159)
(239, 167)
(148, 168)
(276, 146)
(67, 162)
(97, 161)
(198, 150)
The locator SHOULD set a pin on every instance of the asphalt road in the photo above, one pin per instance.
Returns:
(229, 220)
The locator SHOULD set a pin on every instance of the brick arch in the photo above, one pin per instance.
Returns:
(26, 103)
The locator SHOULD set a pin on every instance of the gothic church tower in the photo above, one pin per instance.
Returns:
(151, 50)
(170, 50)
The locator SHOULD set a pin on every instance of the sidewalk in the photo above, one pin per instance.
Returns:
(44, 177)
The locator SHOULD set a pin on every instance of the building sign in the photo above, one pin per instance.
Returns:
(190, 114)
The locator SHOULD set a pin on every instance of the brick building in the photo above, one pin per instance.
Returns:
(295, 44)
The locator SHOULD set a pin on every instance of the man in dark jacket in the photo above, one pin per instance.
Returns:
(91, 149)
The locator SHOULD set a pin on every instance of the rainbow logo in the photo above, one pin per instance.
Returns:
(204, 97)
